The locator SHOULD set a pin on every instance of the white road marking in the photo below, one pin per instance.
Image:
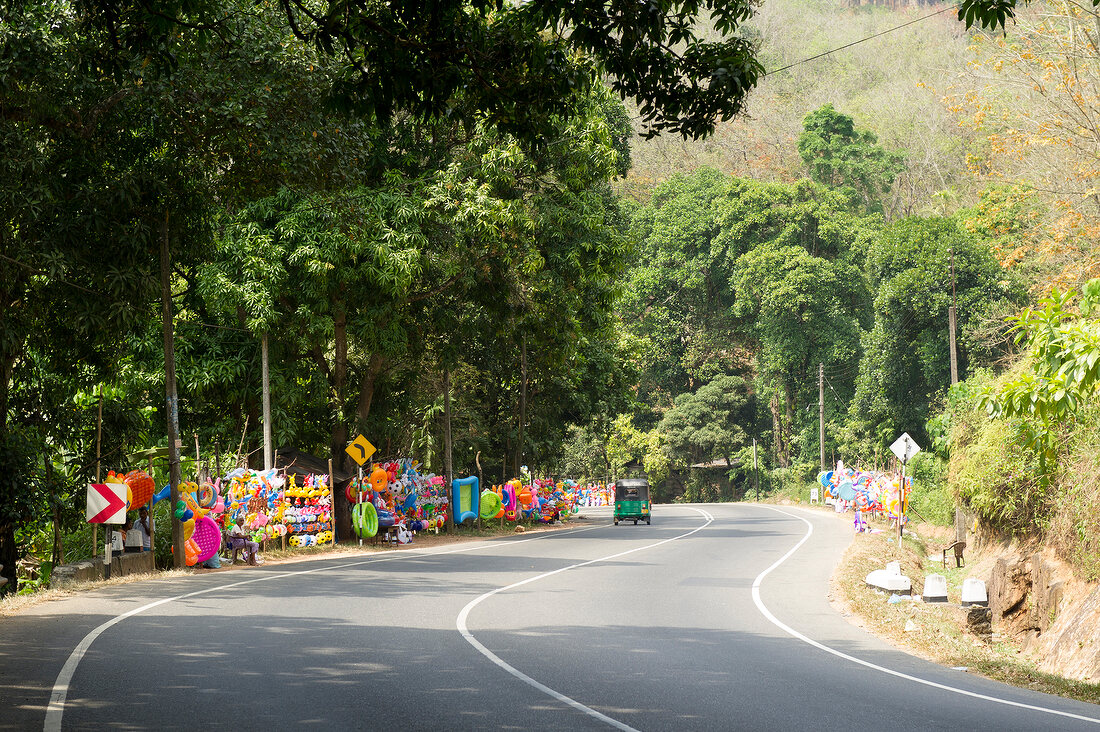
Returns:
(56, 710)
(460, 622)
(840, 654)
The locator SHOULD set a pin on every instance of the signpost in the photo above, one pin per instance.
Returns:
(106, 505)
(905, 447)
(360, 450)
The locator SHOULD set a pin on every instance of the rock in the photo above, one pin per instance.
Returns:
(979, 622)
(1009, 586)
(1076, 652)
(84, 571)
(911, 627)
(92, 569)
(1046, 592)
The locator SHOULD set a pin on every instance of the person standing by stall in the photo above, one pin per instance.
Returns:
(142, 525)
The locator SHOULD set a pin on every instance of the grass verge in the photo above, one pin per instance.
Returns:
(937, 631)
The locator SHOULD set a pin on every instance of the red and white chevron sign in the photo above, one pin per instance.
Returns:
(106, 503)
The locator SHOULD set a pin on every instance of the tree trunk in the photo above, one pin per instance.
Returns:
(337, 376)
(366, 392)
(8, 554)
(56, 554)
(448, 463)
(339, 441)
(171, 397)
(8, 557)
(7, 368)
(522, 402)
(779, 431)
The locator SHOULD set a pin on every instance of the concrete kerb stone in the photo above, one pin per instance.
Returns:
(90, 570)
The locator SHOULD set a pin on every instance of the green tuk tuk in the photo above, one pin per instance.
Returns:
(631, 500)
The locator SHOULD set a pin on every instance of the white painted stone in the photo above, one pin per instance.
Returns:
(973, 592)
(885, 579)
(935, 588)
(893, 567)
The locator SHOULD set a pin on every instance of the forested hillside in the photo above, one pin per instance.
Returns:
(740, 288)
(890, 85)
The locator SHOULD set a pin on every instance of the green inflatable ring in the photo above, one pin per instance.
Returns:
(490, 504)
(364, 519)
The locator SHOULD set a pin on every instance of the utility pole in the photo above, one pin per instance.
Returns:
(755, 472)
(960, 522)
(448, 466)
(522, 400)
(171, 397)
(98, 444)
(821, 410)
(269, 458)
(951, 325)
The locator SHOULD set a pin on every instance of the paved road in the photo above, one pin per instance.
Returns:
(674, 626)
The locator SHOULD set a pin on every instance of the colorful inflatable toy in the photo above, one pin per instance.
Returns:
(464, 498)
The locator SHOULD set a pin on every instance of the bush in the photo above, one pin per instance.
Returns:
(999, 479)
(930, 497)
(793, 483)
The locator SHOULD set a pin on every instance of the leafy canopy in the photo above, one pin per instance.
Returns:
(840, 156)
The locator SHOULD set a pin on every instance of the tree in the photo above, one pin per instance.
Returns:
(906, 364)
(675, 303)
(740, 278)
(1064, 353)
(796, 254)
(838, 155)
(708, 424)
(1041, 133)
(795, 308)
(515, 65)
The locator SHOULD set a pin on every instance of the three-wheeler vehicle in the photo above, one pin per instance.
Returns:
(632, 500)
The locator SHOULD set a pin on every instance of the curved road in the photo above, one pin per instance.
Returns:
(714, 617)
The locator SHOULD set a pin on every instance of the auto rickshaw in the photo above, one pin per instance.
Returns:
(631, 500)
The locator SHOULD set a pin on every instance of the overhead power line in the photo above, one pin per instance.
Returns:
(861, 40)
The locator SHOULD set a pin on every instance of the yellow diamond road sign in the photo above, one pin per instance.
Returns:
(360, 449)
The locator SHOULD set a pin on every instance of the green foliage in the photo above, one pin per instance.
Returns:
(842, 157)
(625, 444)
(515, 65)
(988, 14)
(931, 496)
(740, 278)
(906, 367)
(704, 426)
(1002, 482)
(1064, 352)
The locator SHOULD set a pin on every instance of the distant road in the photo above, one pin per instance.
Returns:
(631, 627)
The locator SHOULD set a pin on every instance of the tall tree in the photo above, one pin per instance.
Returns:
(839, 155)
(708, 424)
(906, 366)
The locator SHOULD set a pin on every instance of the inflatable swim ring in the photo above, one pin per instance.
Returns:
(364, 520)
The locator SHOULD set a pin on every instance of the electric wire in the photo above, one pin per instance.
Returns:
(861, 40)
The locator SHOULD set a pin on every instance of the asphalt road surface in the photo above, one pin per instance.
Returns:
(715, 617)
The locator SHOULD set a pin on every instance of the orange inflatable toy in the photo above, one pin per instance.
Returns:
(141, 487)
(379, 479)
